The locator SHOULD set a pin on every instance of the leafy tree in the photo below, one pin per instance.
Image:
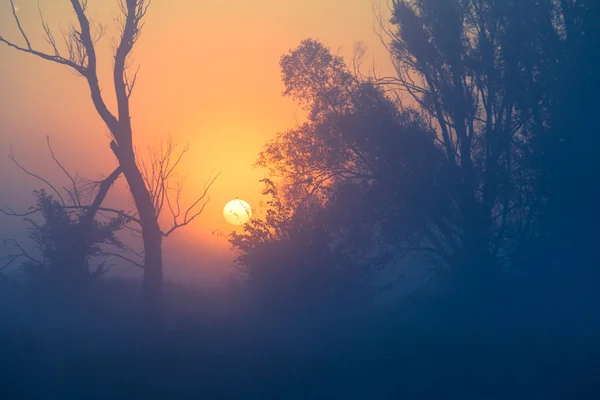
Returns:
(293, 259)
(464, 172)
(357, 139)
(551, 56)
(453, 58)
(571, 147)
(70, 236)
(68, 246)
(355, 185)
(509, 88)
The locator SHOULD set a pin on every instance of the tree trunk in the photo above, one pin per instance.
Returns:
(475, 270)
(151, 236)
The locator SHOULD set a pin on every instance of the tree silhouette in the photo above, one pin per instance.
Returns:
(356, 185)
(550, 54)
(159, 169)
(61, 265)
(296, 259)
(464, 171)
(359, 149)
(70, 235)
(570, 148)
(451, 60)
(81, 40)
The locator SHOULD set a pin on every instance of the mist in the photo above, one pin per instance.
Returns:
(418, 212)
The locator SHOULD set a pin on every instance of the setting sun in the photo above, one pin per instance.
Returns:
(411, 171)
(237, 212)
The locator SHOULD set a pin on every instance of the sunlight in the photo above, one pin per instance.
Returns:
(418, 218)
(237, 212)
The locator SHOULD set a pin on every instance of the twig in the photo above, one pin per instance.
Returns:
(122, 257)
(190, 215)
(11, 155)
(75, 195)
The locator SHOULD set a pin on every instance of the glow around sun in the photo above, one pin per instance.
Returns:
(237, 212)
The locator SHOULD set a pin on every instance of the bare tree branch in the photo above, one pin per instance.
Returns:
(134, 11)
(103, 188)
(11, 155)
(85, 214)
(122, 257)
(14, 12)
(12, 257)
(81, 55)
(190, 213)
(6, 210)
(75, 193)
(120, 213)
(57, 58)
(49, 36)
(159, 173)
(130, 83)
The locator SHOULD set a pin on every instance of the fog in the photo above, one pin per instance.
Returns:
(421, 228)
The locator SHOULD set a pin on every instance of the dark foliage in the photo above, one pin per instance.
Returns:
(293, 259)
(360, 178)
(511, 88)
(476, 173)
(67, 246)
(489, 173)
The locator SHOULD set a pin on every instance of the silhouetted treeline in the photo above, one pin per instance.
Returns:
(480, 155)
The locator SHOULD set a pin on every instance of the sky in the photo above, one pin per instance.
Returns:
(209, 76)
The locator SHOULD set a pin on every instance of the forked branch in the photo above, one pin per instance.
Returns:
(12, 157)
(193, 210)
(80, 40)
(75, 63)
(16, 251)
(166, 188)
(85, 211)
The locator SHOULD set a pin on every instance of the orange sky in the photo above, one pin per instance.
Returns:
(209, 74)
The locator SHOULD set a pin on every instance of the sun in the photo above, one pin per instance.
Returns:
(237, 212)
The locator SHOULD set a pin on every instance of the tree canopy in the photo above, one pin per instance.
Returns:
(472, 168)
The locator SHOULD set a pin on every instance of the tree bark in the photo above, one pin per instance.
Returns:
(83, 60)
(151, 234)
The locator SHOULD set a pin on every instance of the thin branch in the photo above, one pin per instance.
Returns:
(49, 36)
(14, 12)
(11, 155)
(158, 170)
(206, 189)
(134, 11)
(190, 214)
(6, 210)
(6, 243)
(130, 83)
(127, 217)
(54, 58)
(128, 249)
(122, 257)
(75, 193)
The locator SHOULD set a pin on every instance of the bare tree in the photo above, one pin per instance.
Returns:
(83, 199)
(81, 40)
(159, 169)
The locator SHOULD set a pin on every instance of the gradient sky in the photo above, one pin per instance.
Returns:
(209, 75)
